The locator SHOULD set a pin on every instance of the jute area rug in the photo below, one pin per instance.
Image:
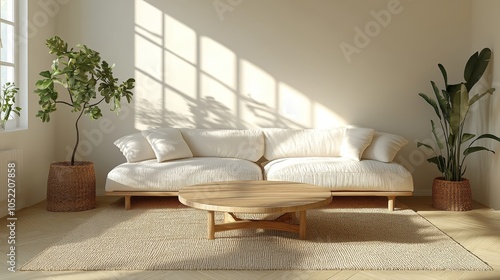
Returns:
(351, 233)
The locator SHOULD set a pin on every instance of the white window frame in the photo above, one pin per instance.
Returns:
(19, 11)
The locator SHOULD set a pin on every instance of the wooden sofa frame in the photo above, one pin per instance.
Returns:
(391, 196)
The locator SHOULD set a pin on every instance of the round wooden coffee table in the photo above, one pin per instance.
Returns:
(255, 197)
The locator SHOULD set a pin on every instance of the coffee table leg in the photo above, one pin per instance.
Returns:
(302, 224)
(211, 225)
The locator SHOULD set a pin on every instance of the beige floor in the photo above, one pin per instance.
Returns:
(477, 230)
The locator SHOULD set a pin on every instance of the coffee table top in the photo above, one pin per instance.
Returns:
(255, 196)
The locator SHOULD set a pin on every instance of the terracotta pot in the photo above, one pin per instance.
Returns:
(71, 188)
(451, 195)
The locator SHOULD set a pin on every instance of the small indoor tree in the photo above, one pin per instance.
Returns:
(78, 79)
(87, 80)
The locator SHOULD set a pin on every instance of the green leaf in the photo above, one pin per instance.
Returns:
(451, 139)
(438, 140)
(474, 149)
(453, 90)
(442, 101)
(459, 109)
(95, 113)
(445, 75)
(43, 84)
(432, 103)
(440, 161)
(7, 114)
(466, 137)
(475, 67)
(446, 96)
(420, 144)
(128, 95)
(489, 136)
(45, 74)
(478, 96)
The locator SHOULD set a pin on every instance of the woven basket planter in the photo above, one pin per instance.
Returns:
(451, 195)
(71, 188)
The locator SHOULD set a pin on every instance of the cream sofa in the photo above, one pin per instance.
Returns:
(348, 161)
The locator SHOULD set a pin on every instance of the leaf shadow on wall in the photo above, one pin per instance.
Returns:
(208, 112)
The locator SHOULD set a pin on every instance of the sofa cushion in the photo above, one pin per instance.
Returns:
(230, 143)
(284, 143)
(384, 147)
(355, 141)
(341, 174)
(135, 147)
(167, 143)
(151, 175)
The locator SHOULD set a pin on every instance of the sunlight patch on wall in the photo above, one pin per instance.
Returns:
(148, 97)
(218, 61)
(166, 72)
(187, 79)
(180, 75)
(148, 100)
(326, 118)
(180, 39)
(258, 90)
(146, 57)
(217, 105)
(177, 110)
(294, 105)
(147, 18)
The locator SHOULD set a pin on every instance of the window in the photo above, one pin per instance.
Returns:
(9, 55)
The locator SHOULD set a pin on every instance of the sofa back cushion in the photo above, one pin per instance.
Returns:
(283, 143)
(230, 143)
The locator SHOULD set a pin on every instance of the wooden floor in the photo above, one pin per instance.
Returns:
(477, 230)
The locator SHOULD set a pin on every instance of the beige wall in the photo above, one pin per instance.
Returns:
(484, 168)
(264, 64)
(267, 63)
(37, 142)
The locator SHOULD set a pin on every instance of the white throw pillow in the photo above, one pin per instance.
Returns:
(167, 143)
(135, 147)
(355, 141)
(384, 147)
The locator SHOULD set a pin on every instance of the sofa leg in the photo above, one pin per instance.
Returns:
(127, 202)
(391, 202)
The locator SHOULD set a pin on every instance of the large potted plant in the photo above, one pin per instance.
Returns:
(87, 83)
(453, 145)
(8, 102)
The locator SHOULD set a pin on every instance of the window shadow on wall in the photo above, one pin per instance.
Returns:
(186, 78)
